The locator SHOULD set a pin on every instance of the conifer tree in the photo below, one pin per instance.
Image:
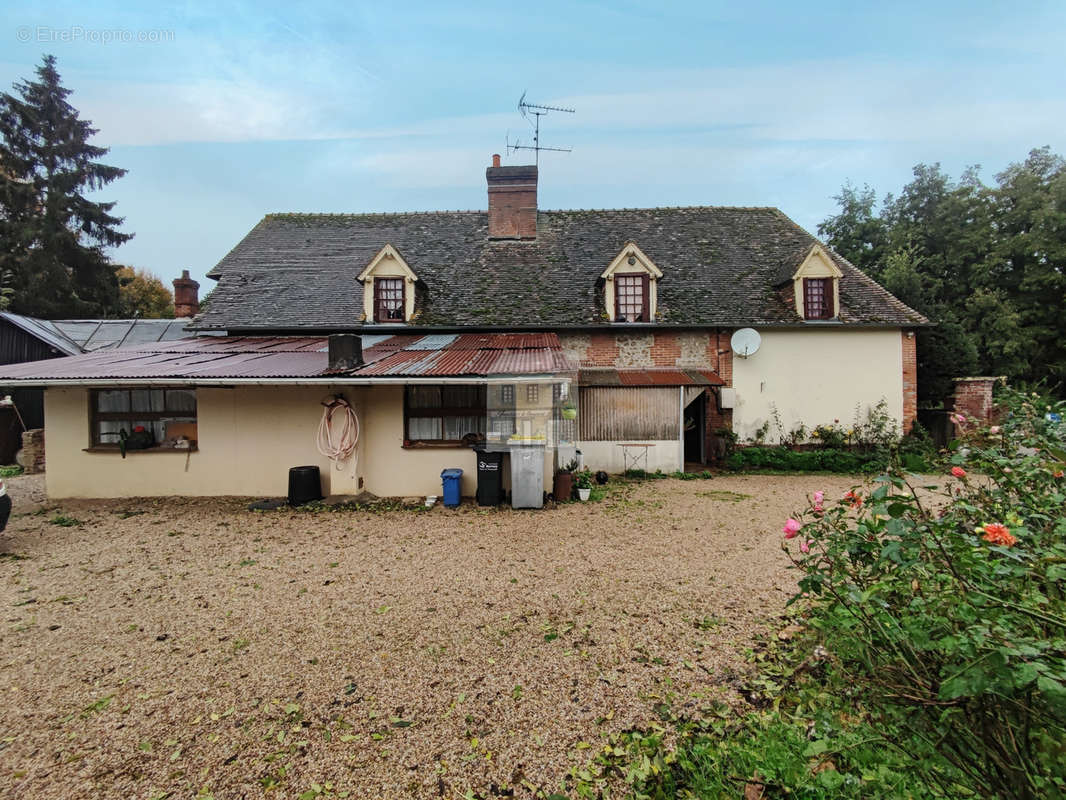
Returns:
(52, 236)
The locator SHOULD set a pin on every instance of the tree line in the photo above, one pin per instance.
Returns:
(986, 263)
(54, 239)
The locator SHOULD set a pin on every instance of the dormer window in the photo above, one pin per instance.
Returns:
(388, 288)
(631, 286)
(631, 297)
(817, 298)
(817, 286)
(388, 300)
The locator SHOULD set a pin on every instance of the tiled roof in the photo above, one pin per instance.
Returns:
(721, 267)
(218, 359)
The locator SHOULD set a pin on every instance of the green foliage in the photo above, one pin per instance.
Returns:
(54, 238)
(11, 471)
(782, 459)
(948, 606)
(65, 521)
(583, 479)
(142, 294)
(933, 663)
(728, 439)
(982, 261)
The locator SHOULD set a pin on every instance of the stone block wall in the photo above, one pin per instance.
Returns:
(32, 453)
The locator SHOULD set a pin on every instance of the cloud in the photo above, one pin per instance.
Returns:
(812, 101)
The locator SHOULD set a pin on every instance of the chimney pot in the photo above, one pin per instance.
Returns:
(345, 352)
(495, 159)
(186, 296)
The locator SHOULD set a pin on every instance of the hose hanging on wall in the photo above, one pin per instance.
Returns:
(338, 446)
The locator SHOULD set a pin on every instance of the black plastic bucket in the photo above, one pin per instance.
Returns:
(305, 485)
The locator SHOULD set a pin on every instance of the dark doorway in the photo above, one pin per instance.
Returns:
(695, 421)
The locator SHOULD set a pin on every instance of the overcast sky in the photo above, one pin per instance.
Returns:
(225, 111)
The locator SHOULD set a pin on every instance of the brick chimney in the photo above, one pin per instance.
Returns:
(186, 296)
(512, 201)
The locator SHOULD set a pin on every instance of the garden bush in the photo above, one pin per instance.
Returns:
(933, 664)
(947, 605)
(822, 460)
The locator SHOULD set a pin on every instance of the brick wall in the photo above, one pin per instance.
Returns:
(973, 397)
(910, 380)
(642, 350)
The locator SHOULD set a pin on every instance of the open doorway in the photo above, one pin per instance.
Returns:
(695, 421)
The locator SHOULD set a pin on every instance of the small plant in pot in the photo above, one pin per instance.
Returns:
(564, 481)
(583, 482)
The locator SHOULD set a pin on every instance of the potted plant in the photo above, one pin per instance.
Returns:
(583, 482)
(569, 411)
(564, 481)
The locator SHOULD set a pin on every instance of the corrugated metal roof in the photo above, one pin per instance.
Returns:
(44, 330)
(649, 377)
(100, 334)
(293, 357)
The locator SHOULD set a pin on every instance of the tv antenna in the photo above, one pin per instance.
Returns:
(536, 111)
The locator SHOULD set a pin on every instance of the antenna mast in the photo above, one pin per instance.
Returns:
(536, 111)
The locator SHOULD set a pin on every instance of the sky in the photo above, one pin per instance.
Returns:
(225, 111)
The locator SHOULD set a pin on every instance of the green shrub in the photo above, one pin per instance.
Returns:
(934, 660)
(824, 460)
(948, 607)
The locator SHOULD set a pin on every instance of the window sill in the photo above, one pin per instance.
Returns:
(435, 446)
(109, 449)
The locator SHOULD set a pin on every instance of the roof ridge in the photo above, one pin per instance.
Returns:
(351, 214)
(281, 214)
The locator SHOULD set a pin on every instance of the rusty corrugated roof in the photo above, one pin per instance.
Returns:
(214, 358)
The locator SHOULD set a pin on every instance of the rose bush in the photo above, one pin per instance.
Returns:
(946, 606)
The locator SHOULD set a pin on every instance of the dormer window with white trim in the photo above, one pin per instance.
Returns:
(631, 286)
(816, 286)
(388, 288)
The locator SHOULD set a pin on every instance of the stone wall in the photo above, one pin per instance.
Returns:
(32, 453)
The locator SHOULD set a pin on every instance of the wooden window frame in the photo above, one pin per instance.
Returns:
(380, 314)
(645, 285)
(96, 416)
(478, 409)
(827, 299)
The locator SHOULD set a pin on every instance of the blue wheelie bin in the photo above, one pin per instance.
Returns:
(451, 479)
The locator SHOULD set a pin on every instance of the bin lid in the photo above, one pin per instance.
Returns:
(453, 472)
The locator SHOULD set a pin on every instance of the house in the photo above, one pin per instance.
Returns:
(515, 327)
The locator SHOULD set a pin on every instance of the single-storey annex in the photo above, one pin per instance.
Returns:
(582, 330)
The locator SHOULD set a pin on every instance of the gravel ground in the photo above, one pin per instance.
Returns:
(154, 646)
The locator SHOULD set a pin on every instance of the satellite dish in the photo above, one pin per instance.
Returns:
(745, 342)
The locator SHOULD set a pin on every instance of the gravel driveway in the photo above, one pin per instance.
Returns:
(155, 646)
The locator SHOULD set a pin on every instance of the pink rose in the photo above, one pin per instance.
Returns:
(792, 527)
(818, 498)
(994, 430)
(805, 546)
(958, 472)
